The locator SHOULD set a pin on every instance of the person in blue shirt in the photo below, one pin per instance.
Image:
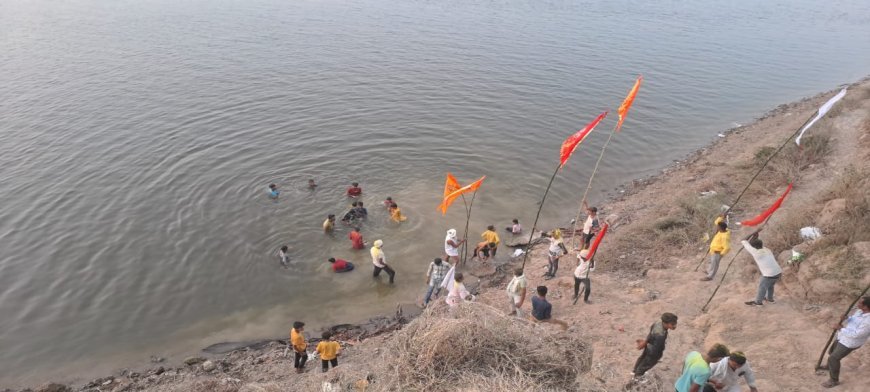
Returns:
(542, 309)
(696, 369)
(273, 191)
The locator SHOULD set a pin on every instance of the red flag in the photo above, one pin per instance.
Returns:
(597, 241)
(764, 215)
(570, 144)
(453, 195)
(626, 104)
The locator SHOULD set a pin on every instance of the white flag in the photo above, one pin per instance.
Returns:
(822, 111)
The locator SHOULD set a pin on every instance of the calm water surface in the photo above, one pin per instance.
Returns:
(137, 138)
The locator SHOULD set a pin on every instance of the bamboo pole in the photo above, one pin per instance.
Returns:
(538, 215)
(834, 333)
(588, 187)
(467, 220)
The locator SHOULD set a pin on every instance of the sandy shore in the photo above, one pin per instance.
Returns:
(646, 266)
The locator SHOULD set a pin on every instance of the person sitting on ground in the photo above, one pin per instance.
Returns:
(329, 223)
(696, 368)
(516, 291)
(458, 293)
(720, 245)
(451, 247)
(329, 350)
(396, 213)
(273, 191)
(297, 340)
(356, 239)
(725, 374)
(516, 228)
(388, 202)
(360, 211)
(311, 184)
(483, 250)
(581, 275)
(340, 265)
(591, 226)
(354, 190)
(542, 310)
(767, 265)
(379, 260)
(434, 277)
(283, 255)
(491, 236)
(351, 215)
(554, 252)
(853, 333)
(654, 345)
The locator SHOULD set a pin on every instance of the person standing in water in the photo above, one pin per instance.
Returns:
(396, 213)
(329, 224)
(356, 239)
(284, 256)
(515, 228)
(379, 261)
(311, 184)
(354, 190)
(273, 191)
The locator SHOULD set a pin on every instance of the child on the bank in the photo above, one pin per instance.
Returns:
(328, 350)
(297, 340)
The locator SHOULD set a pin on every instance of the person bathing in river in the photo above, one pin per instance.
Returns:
(329, 224)
(451, 247)
(354, 190)
(388, 202)
(361, 212)
(351, 215)
(340, 265)
(284, 256)
(396, 213)
(273, 191)
(311, 184)
(516, 228)
(356, 239)
(491, 236)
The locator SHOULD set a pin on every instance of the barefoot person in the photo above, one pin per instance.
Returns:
(297, 340)
(516, 291)
(581, 275)
(720, 245)
(379, 261)
(725, 374)
(484, 250)
(542, 310)
(451, 247)
(591, 225)
(654, 345)
(356, 239)
(491, 236)
(329, 350)
(696, 369)
(340, 265)
(515, 228)
(434, 277)
(853, 333)
(354, 190)
(767, 265)
(554, 252)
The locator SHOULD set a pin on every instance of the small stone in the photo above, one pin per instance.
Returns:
(190, 361)
(156, 359)
(622, 257)
(158, 371)
(208, 366)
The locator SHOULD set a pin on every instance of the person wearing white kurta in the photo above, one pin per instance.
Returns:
(725, 375)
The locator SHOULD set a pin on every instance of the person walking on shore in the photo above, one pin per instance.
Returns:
(434, 277)
(491, 236)
(328, 350)
(329, 224)
(591, 225)
(451, 247)
(654, 345)
(696, 369)
(581, 275)
(297, 340)
(554, 252)
(853, 333)
(516, 291)
(356, 239)
(767, 265)
(720, 246)
(380, 261)
(725, 374)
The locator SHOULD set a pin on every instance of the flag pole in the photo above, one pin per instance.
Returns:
(588, 187)
(753, 180)
(467, 220)
(538, 215)
(831, 339)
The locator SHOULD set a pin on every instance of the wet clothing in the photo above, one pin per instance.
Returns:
(491, 236)
(328, 225)
(354, 191)
(356, 240)
(341, 266)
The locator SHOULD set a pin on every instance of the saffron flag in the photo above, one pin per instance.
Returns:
(764, 215)
(821, 113)
(570, 144)
(448, 200)
(451, 185)
(598, 237)
(626, 104)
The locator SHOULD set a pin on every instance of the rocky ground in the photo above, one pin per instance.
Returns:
(647, 266)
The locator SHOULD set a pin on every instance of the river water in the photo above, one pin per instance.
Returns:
(137, 139)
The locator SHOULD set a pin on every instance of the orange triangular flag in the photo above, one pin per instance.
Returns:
(451, 185)
(448, 200)
(570, 144)
(626, 104)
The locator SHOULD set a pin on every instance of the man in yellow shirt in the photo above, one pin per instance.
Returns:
(297, 340)
(490, 236)
(720, 245)
(328, 350)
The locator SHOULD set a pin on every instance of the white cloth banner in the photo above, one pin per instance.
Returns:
(447, 283)
(822, 111)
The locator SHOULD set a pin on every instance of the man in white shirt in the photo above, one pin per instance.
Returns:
(767, 265)
(516, 291)
(853, 333)
(725, 374)
(581, 275)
